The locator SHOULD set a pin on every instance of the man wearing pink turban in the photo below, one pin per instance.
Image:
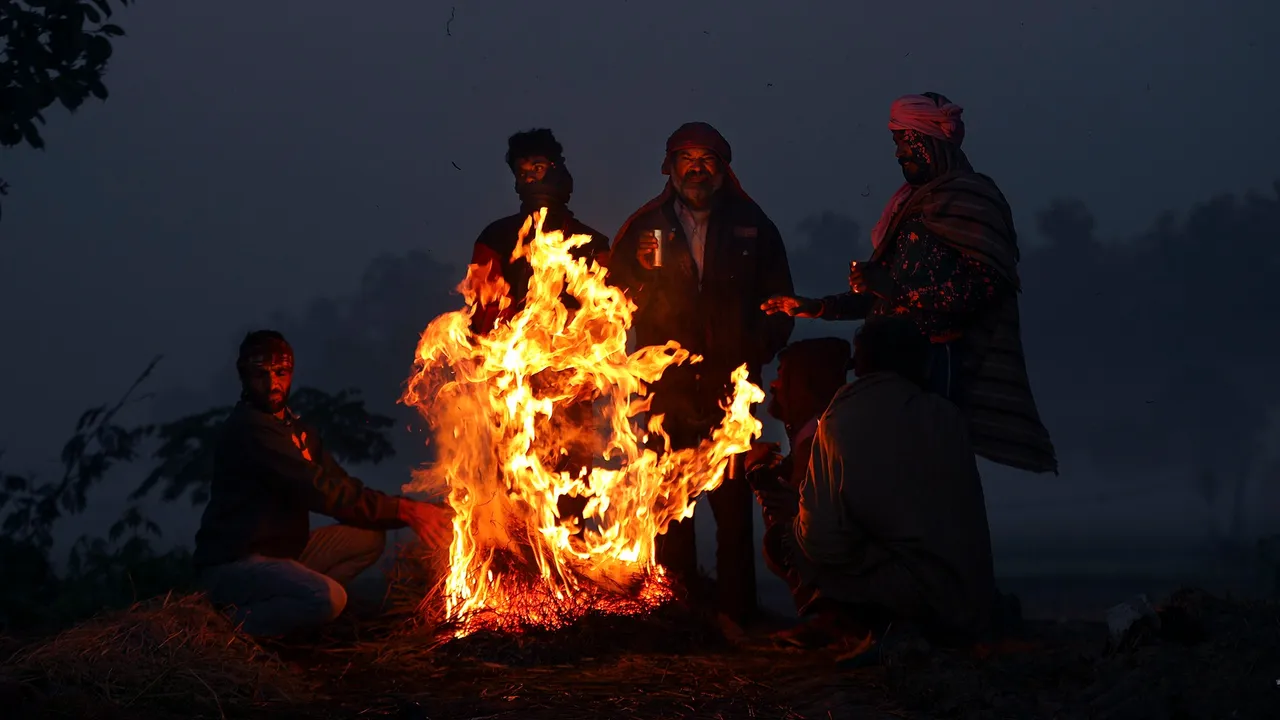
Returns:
(946, 257)
(721, 257)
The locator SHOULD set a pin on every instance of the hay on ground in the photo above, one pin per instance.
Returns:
(170, 651)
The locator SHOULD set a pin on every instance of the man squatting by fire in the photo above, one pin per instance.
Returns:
(810, 372)
(946, 257)
(255, 550)
(702, 285)
(888, 526)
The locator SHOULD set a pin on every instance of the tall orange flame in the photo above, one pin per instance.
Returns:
(502, 410)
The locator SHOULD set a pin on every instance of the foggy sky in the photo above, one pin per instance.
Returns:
(254, 156)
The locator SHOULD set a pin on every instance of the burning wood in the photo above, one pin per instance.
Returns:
(497, 405)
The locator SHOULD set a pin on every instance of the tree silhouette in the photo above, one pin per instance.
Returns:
(1155, 352)
(54, 51)
(185, 455)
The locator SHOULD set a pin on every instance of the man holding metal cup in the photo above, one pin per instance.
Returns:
(698, 260)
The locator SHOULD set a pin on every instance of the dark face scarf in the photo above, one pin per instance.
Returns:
(552, 191)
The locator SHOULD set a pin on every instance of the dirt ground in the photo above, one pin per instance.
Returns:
(1208, 658)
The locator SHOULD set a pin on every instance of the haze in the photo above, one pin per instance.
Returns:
(255, 158)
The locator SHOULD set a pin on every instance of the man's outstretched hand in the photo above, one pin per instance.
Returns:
(794, 306)
(870, 277)
(432, 523)
(762, 454)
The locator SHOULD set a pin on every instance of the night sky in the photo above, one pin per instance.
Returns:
(256, 156)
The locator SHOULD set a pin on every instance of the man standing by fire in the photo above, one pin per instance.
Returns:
(536, 159)
(698, 260)
(946, 257)
(255, 550)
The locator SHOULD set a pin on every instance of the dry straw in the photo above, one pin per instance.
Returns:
(175, 651)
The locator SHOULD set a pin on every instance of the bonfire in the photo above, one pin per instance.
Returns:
(505, 408)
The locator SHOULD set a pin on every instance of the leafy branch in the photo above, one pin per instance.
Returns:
(98, 444)
(54, 51)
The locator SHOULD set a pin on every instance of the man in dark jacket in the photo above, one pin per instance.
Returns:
(255, 549)
(810, 372)
(721, 257)
(536, 159)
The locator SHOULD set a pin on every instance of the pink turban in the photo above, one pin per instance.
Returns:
(934, 116)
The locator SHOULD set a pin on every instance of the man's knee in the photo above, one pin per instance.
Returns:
(309, 603)
(343, 548)
(371, 542)
(329, 601)
(272, 597)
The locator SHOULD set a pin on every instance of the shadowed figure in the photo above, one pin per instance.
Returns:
(892, 524)
(255, 551)
(810, 372)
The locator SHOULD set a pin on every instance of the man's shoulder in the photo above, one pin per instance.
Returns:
(972, 187)
(502, 231)
(246, 424)
(873, 388)
(654, 212)
(242, 425)
(747, 218)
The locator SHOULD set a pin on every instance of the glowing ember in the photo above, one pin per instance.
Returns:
(505, 409)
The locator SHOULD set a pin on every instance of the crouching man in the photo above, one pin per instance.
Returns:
(892, 523)
(255, 550)
(810, 372)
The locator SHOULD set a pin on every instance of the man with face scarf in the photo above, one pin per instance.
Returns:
(255, 550)
(810, 372)
(721, 257)
(542, 180)
(946, 257)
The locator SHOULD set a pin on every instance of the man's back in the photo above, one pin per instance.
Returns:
(894, 501)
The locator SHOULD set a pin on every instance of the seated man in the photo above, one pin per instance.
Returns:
(255, 550)
(810, 372)
(892, 524)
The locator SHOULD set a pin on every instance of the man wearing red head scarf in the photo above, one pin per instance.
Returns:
(721, 257)
(946, 257)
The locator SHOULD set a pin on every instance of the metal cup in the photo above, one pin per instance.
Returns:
(657, 253)
(733, 470)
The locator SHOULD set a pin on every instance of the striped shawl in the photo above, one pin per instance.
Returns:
(968, 212)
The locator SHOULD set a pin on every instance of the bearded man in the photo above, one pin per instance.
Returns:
(946, 258)
(810, 373)
(701, 285)
(255, 550)
(542, 180)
